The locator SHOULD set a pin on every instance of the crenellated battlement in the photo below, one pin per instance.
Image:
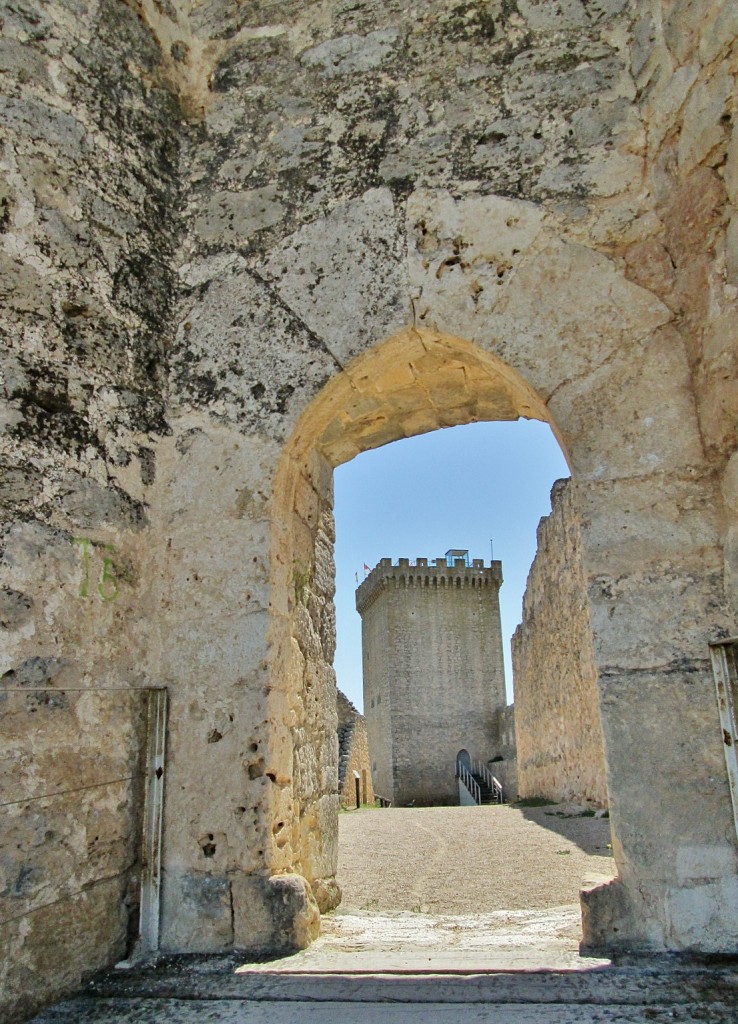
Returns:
(436, 574)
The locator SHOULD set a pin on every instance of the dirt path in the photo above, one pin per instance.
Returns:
(467, 860)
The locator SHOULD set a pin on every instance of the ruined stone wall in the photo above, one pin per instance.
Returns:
(503, 732)
(434, 675)
(88, 204)
(684, 64)
(393, 219)
(680, 245)
(71, 788)
(557, 717)
(503, 754)
(353, 755)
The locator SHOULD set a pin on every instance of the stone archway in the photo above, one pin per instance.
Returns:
(414, 382)
(551, 330)
(506, 319)
(421, 380)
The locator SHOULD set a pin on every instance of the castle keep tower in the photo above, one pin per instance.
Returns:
(433, 671)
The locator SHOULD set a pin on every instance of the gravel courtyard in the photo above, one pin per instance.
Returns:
(458, 889)
(466, 860)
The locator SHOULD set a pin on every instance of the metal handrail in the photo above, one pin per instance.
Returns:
(463, 773)
(492, 781)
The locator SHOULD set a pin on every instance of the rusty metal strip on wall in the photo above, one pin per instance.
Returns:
(724, 657)
(152, 821)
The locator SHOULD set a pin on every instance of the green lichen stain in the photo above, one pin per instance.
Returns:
(110, 573)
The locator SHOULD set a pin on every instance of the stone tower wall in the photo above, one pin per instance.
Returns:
(434, 675)
(353, 754)
(557, 717)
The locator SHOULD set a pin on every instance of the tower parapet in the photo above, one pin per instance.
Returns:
(421, 572)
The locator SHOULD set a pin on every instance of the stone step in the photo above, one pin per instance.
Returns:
(185, 989)
(229, 1011)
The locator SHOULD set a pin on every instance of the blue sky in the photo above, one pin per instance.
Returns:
(453, 488)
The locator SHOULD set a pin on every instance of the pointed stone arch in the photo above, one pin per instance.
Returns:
(560, 336)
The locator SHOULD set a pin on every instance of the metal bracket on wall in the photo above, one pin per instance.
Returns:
(724, 657)
(156, 734)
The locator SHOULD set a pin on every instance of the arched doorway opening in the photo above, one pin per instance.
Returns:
(425, 647)
(420, 380)
(413, 383)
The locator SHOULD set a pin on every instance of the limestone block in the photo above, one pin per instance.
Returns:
(682, 27)
(232, 218)
(629, 524)
(345, 55)
(666, 100)
(731, 168)
(719, 32)
(559, 15)
(706, 861)
(23, 288)
(650, 267)
(208, 467)
(55, 740)
(609, 171)
(57, 846)
(20, 60)
(645, 422)
(702, 914)
(730, 577)
(91, 505)
(703, 129)
(642, 41)
(243, 355)
(678, 724)
(15, 608)
(731, 250)
(203, 269)
(342, 276)
(90, 927)
(578, 296)
(32, 118)
(277, 913)
(607, 911)
(673, 612)
(327, 893)
(462, 254)
(730, 483)
(206, 569)
(718, 404)
(196, 911)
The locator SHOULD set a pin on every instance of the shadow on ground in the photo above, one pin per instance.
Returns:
(590, 834)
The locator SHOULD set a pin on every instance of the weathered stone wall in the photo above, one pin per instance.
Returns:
(353, 755)
(433, 672)
(391, 219)
(684, 64)
(503, 761)
(89, 198)
(557, 716)
(71, 790)
(503, 733)
(679, 244)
